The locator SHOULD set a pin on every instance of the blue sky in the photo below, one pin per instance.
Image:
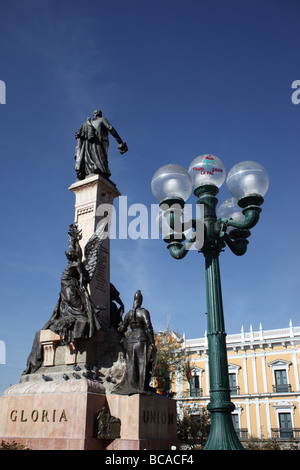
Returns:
(177, 79)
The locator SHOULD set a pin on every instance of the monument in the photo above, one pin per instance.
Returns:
(86, 384)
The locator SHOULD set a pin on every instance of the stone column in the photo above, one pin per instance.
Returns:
(90, 195)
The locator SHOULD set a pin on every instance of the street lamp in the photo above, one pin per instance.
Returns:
(247, 182)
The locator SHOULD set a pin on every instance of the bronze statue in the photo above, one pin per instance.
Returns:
(75, 316)
(92, 146)
(107, 426)
(140, 350)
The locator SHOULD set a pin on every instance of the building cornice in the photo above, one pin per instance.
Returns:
(254, 339)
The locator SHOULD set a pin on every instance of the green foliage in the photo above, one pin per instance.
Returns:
(270, 444)
(191, 428)
(12, 446)
(170, 355)
(267, 444)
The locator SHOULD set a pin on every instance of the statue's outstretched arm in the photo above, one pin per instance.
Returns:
(122, 145)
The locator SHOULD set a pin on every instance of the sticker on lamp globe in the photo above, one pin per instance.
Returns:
(209, 160)
(207, 169)
(210, 169)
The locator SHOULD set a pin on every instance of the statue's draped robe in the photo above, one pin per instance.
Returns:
(74, 316)
(92, 148)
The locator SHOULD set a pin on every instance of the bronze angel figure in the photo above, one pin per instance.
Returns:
(75, 316)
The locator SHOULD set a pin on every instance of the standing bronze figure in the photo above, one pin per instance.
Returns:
(92, 146)
(140, 359)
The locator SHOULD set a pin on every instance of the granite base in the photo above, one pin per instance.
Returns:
(60, 415)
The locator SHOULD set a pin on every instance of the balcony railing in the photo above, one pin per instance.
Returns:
(282, 388)
(286, 433)
(193, 393)
(235, 390)
(242, 433)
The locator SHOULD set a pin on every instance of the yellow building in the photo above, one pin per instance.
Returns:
(264, 370)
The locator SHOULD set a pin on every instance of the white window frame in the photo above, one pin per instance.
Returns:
(234, 369)
(284, 407)
(280, 364)
(196, 371)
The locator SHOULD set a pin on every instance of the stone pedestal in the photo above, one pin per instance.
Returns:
(60, 415)
(53, 415)
(147, 422)
(100, 357)
(94, 197)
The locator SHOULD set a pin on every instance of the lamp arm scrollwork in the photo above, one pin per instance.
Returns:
(251, 214)
(179, 250)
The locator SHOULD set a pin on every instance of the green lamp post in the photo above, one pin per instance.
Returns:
(247, 182)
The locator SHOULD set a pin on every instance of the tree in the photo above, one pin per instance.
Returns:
(193, 428)
(170, 356)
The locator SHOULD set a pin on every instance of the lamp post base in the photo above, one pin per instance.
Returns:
(222, 435)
